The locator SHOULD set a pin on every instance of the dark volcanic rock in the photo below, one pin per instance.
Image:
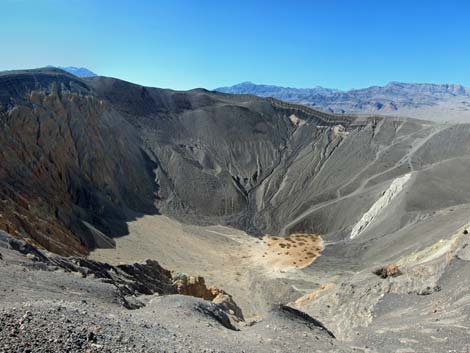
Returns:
(81, 157)
(290, 313)
(70, 163)
(130, 280)
(212, 310)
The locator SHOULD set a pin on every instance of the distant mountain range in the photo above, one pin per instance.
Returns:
(245, 191)
(77, 71)
(439, 102)
(284, 93)
(428, 101)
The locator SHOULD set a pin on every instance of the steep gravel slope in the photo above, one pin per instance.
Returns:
(87, 161)
(99, 150)
(70, 164)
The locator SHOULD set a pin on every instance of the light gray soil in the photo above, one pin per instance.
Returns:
(44, 309)
(195, 180)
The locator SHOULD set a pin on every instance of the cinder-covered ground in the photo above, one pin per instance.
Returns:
(206, 184)
(48, 308)
(340, 288)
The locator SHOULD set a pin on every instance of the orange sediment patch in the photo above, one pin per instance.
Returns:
(295, 251)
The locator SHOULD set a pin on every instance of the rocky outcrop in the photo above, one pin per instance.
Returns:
(390, 270)
(130, 280)
(195, 286)
(67, 158)
(191, 285)
(82, 158)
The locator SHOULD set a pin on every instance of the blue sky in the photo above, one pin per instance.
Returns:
(201, 43)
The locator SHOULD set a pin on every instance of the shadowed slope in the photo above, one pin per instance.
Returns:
(104, 147)
(70, 163)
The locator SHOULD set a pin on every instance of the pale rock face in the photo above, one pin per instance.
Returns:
(379, 206)
(340, 131)
(89, 162)
(296, 121)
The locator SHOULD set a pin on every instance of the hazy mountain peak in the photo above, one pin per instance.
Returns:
(432, 101)
(280, 92)
(77, 71)
(106, 169)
